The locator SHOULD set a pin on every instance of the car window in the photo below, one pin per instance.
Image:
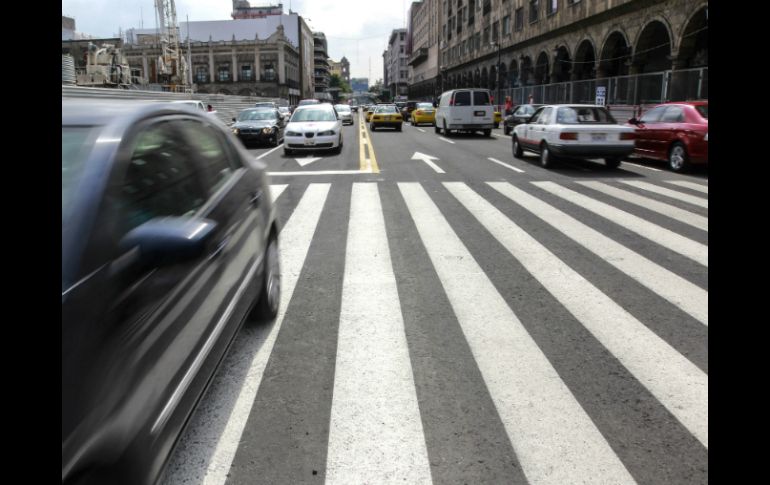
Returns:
(571, 115)
(425, 106)
(673, 114)
(256, 114)
(162, 179)
(703, 109)
(545, 116)
(481, 98)
(76, 141)
(536, 116)
(216, 160)
(462, 98)
(386, 109)
(652, 115)
(313, 114)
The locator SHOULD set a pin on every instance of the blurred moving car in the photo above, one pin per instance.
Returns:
(345, 113)
(521, 114)
(386, 116)
(262, 125)
(285, 112)
(674, 132)
(573, 131)
(196, 105)
(169, 240)
(370, 112)
(354, 108)
(313, 127)
(424, 113)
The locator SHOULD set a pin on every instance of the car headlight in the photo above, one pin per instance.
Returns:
(267, 131)
(326, 133)
(293, 133)
(236, 131)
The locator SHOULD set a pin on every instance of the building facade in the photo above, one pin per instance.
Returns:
(639, 50)
(396, 64)
(243, 10)
(423, 35)
(341, 68)
(321, 58)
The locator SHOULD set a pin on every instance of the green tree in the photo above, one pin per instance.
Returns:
(335, 81)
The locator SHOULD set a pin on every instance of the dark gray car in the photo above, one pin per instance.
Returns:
(521, 114)
(169, 241)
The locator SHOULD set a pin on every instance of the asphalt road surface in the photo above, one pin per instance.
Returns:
(451, 314)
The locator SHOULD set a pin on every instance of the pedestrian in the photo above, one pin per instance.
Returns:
(210, 108)
(508, 105)
(531, 99)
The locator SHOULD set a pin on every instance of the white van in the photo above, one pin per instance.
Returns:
(465, 110)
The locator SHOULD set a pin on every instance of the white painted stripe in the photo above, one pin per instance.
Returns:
(421, 130)
(277, 190)
(689, 185)
(682, 293)
(690, 199)
(212, 428)
(444, 139)
(375, 430)
(643, 166)
(269, 152)
(554, 439)
(676, 382)
(505, 165)
(669, 239)
(432, 165)
(318, 172)
(667, 210)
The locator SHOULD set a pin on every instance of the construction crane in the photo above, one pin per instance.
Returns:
(172, 66)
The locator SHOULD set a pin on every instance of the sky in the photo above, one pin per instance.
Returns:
(356, 29)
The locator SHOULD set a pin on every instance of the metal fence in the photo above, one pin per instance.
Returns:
(227, 107)
(638, 89)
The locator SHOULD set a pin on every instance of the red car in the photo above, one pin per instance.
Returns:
(674, 132)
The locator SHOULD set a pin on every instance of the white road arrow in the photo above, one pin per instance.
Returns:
(307, 161)
(427, 159)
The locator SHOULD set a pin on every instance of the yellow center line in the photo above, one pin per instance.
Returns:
(366, 164)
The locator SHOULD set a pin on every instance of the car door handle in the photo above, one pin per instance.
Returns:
(255, 196)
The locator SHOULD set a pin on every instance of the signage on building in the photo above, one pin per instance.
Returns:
(601, 95)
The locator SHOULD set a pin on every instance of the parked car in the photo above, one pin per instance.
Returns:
(261, 125)
(521, 114)
(424, 113)
(674, 132)
(465, 110)
(169, 241)
(345, 113)
(573, 131)
(313, 127)
(386, 116)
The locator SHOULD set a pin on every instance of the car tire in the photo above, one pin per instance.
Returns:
(546, 159)
(612, 162)
(446, 132)
(287, 152)
(372, 127)
(266, 308)
(398, 128)
(436, 129)
(677, 157)
(518, 152)
(487, 133)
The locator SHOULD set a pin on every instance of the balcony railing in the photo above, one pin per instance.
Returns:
(418, 56)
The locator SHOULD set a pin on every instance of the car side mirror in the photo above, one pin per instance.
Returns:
(164, 241)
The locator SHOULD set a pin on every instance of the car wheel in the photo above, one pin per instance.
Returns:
(677, 157)
(546, 159)
(612, 162)
(487, 133)
(270, 293)
(372, 127)
(287, 152)
(446, 132)
(518, 152)
(398, 128)
(436, 129)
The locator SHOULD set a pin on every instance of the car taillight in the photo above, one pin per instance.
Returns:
(568, 136)
(627, 136)
(419, 111)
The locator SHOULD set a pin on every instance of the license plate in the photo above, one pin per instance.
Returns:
(388, 118)
(479, 113)
(598, 137)
(309, 142)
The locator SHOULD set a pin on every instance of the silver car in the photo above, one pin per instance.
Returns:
(313, 127)
(345, 113)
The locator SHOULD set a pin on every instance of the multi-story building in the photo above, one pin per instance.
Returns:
(423, 36)
(321, 58)
(562, 50)
(342, 69)
(396, 64)
(272, 55)
(243, 10)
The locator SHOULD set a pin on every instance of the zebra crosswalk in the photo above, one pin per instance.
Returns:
(454, 332)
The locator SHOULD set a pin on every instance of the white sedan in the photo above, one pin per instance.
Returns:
(313, 127)
(573, 131)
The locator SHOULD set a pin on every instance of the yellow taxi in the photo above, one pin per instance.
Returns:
(369, 113)
(387, 116)
(424, 113)
(498, 119)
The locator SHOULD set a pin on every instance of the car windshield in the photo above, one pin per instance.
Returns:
(313, 115)
(577, 115)
(703, 109)
(342, 107)
(424, 106)
(74, 147)
(256, 115)
(386, 109)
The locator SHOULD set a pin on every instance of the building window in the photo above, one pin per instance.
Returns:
(269, 75)
(572, 2)
(401, 49)
(534, 5)
(246, 72)
(507, 25)
(223, 73)
(551, 6)
(401, 37)
(485, 40)
(495, 31)
(201, 74)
